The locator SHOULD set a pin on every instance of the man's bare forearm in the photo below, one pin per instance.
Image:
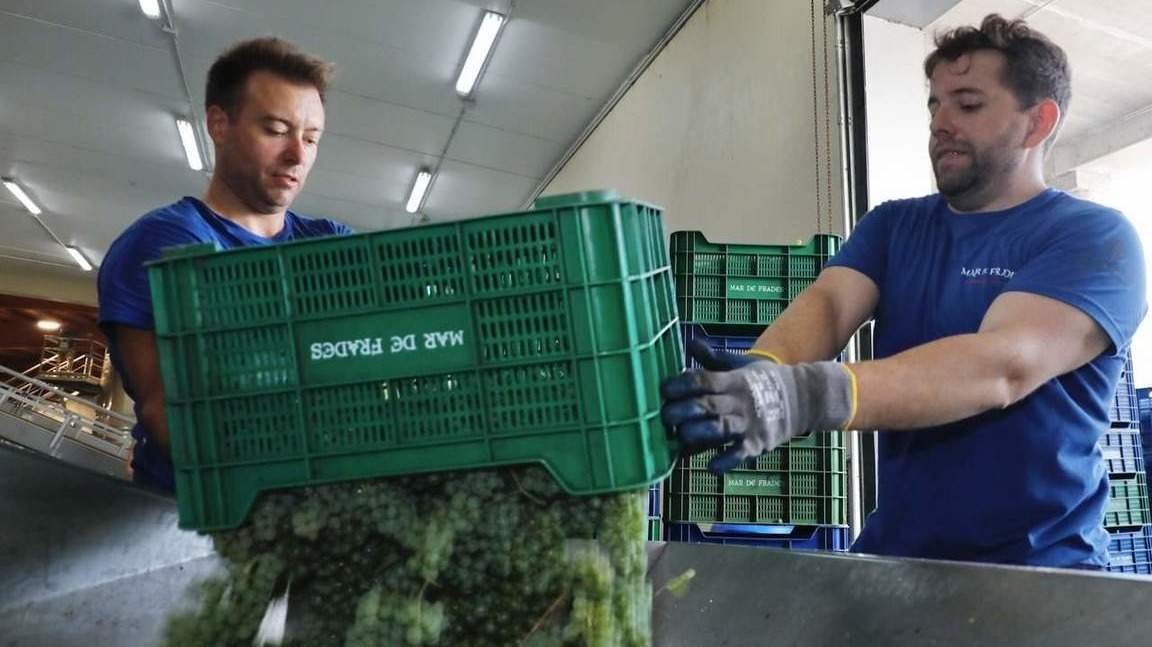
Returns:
(155, 421)
(937, 383)
(821, 320)
(805, 332)
(141, 362)
(1024, 341)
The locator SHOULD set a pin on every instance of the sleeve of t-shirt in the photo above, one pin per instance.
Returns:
(1095, 264)
(866, 249)
(340, 229)
(123, 280)
(317, 227)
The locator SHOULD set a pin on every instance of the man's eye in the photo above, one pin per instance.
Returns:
(272, 131)
(971, 107)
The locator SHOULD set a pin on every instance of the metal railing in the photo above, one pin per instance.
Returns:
(77, 359)
(42, 405)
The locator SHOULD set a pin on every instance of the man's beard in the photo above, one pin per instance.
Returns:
(246, 186)
(960, 181)
(968, 188)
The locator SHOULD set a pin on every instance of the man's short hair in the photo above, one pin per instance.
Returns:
(227, 76)
(1035, 69)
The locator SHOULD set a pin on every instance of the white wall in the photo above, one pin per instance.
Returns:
(42, 281)
(720, 129)
(897, 99)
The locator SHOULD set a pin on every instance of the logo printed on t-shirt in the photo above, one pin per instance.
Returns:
(981, 275)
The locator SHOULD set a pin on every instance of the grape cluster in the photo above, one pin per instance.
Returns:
(479, 558)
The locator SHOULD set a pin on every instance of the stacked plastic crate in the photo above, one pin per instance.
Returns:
(514, 338)
(1128, 517)
(1144, 407)
(655, 526)
(796, 496)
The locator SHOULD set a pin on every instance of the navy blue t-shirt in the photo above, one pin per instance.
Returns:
(1025, 484)
(125, 298)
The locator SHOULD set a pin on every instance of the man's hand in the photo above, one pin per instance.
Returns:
(757, 405)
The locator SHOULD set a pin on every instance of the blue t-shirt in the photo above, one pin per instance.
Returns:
(125, 298)
(1025, 484)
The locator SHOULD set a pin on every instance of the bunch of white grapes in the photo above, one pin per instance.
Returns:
(483, 558)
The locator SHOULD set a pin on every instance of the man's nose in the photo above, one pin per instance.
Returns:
(941, 121)
(293, 152)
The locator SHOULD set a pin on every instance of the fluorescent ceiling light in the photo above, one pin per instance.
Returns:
(17, 191)
(79, 258)
(151, 8)
(47, 325)
(188, 139)
(478, 54)
(419, 188)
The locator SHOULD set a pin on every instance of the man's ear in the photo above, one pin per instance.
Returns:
(218, 122)
(1042, 118)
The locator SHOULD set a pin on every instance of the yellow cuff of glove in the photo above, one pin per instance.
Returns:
(763, 354)
(847, 426)
(855, 398)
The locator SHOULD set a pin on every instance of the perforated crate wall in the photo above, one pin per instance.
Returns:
(719, 283)
(802, 483)
(530, 337)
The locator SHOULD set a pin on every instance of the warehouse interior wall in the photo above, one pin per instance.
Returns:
(42, 281)
(734, 128)
(897, 106)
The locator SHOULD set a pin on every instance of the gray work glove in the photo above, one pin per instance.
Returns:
(754, 404)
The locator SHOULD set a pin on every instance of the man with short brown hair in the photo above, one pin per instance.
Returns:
(1003, 312)
(264, 109)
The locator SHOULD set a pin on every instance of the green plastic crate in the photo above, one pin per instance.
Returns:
(805, 482)
(529, 337)
(743, 284)
(1127, 502)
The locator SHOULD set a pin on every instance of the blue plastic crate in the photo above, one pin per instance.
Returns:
(1131, 552)
(654, 501)
(1144, 404)
(1125, 406)
(1122, 449)
(733, 340)
(835, 538)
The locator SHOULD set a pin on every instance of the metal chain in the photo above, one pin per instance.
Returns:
(827, 127)
(815, 111)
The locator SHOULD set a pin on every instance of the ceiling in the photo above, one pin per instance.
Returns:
(89, 88)
(914, 13)
(1109, 47)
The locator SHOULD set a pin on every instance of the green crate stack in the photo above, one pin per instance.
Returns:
(1127, 502)
(743, 285)
(801, 483)
(527, 337)
(727, 294)
(1127, 516)
(1128, 520)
